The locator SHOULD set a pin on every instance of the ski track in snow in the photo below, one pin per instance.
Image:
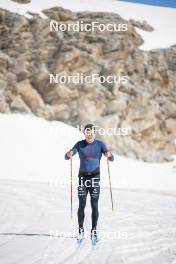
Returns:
(37, 208)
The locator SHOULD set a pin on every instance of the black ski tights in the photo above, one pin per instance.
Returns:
(92, 186)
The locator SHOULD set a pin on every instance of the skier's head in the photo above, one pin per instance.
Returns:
(89, 132)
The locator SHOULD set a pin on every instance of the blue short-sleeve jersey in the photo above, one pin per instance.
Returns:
(90, 155)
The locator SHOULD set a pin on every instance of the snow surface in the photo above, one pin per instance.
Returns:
(35, 205)
(161, 18)
(141, 230)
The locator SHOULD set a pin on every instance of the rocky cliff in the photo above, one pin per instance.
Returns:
(146, 105)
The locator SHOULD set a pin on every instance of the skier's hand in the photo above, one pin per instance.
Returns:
(70, 153)
(108, 154)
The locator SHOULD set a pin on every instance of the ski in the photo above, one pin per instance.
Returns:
(80, 241)
(80, 238)
(94, 240)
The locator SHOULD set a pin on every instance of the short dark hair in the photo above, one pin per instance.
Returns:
(89, 127)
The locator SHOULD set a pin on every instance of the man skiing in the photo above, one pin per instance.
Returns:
(90, 152)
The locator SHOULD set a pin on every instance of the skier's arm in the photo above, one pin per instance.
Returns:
(72, 152)
(106, 152)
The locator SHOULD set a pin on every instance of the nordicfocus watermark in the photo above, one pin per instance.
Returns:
(101, 234)
(93, 26)
(81, 78)
(98, 130)
(110, 131)
(54, 184)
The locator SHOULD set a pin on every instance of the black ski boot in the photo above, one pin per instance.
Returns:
(80, 236)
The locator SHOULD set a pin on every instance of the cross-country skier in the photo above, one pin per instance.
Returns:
(90, 152)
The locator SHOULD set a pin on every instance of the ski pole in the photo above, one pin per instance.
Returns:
(110, 188)
(71, 189)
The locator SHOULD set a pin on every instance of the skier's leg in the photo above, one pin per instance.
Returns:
(95, 212)
(94, 193)
(82, 195)
(82, 204)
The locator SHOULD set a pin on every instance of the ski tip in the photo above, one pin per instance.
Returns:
(94, 240)
(79, 240)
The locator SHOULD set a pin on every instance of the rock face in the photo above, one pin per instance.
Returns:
(146, 105)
